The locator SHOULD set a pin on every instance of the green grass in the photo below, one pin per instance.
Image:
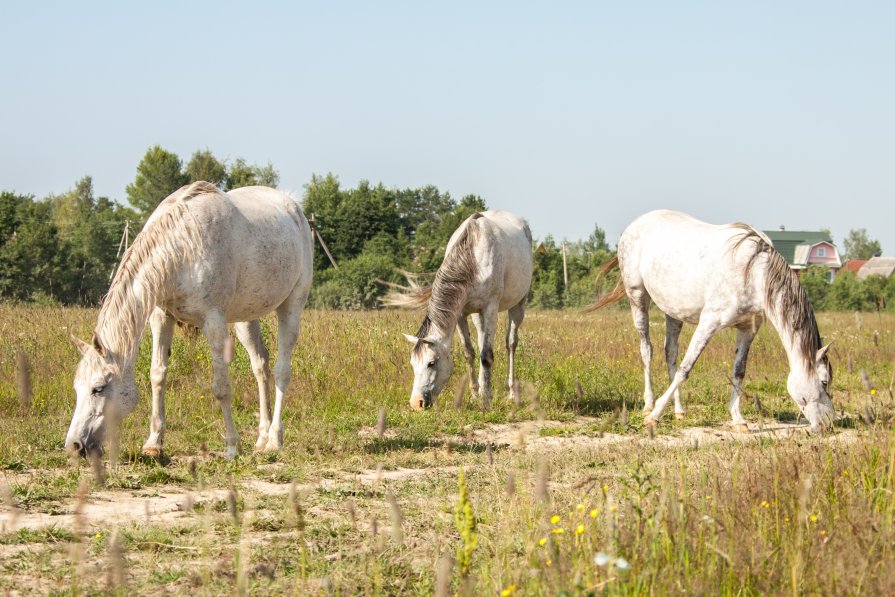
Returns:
(799, 515)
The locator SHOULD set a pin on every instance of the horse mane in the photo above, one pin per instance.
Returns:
(784, 295)
(448, 291)
(170, 237)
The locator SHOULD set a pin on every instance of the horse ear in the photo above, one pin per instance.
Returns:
(821, 353)
(411, 339)
(98, 345)
(79, 344)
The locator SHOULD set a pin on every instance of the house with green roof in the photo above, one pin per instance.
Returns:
(803, 248)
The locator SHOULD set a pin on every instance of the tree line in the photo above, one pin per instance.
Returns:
(62, 249)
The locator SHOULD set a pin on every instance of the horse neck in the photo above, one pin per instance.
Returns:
(801, 361)
(124, 314)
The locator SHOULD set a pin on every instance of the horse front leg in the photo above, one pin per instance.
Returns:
(486, 326)
(744, 342)
(514, 319)
(249, 334)
(162, 326)
(468, 354)
(215, 330)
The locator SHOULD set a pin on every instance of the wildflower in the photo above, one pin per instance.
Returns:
(555, 518)
(548, 562)
(601, 559)
(873, 392)
(99, 535)
(580, 507)
(510, 590)
(594, 512)
(813, 518)
(543, 541)
(613, 508)
(823, 532)
(605, 488)
(558, 531)
(786, 519)
(579, 530)
(622, 564)
(765, 505)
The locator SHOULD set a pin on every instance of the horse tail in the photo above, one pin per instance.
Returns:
(407, 297)
(615, 295)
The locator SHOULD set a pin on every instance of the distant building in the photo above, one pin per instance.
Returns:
(877, 266)
(853, 265)
(803, 248)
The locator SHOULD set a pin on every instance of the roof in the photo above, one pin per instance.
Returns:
(786, 241)
(853, 265)
(877, 266)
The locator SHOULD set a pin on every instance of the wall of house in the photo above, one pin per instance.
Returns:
(829, 257)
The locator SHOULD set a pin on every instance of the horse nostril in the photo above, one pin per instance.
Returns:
(78, 448)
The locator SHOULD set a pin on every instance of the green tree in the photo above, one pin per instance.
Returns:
(243, 174)
(860, 246)
(159, 174)
(204, 166)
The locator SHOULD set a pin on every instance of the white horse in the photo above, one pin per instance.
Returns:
(487, 269)
(206, 258)
(718, 277)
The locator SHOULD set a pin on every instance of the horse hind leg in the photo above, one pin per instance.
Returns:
(215, 330)
(704, 331)
(288, 329)
(672, 334)
(249, 334)
(162, 326)
(640, 302)
(514, 319)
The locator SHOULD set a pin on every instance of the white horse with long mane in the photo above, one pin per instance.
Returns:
(487, 269)
(206, 258)
(718, 277)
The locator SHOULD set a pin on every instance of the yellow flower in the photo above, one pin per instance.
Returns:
(579, 529)
(580, 507)
(605, 488)
(813, 518)
(555, 518)
(765, 505)
(823, 532)
(558, 531)
(508, 591)
(594, 512)
(549, 562)
(543, 541)
(613, 508)
(99, 535)
(786, 519)
(873, 392)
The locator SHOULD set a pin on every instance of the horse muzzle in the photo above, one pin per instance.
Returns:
(421, 401)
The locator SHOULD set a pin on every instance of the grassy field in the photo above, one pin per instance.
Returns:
(562, 493)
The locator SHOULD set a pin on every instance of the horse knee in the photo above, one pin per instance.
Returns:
(487, 357)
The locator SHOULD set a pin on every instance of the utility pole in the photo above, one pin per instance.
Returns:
(565, 270)
(313, 222)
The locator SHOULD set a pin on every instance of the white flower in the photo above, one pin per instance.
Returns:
(601, 559)
(622, 564)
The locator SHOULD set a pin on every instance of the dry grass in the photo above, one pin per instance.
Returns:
(375, 496)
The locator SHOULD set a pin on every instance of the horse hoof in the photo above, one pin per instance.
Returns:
(741, 428)
(650, 425)
(679, 416)
(152, 452)
(261, 443)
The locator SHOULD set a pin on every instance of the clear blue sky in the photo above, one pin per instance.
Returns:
(571, 114)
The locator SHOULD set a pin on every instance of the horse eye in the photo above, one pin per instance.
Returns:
(431, 364)
(98, 390)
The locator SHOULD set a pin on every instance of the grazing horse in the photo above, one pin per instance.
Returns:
(205, 258)
(718, 277)
(487, 269)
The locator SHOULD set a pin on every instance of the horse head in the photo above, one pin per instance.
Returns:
(104, 394)
(432, 366)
